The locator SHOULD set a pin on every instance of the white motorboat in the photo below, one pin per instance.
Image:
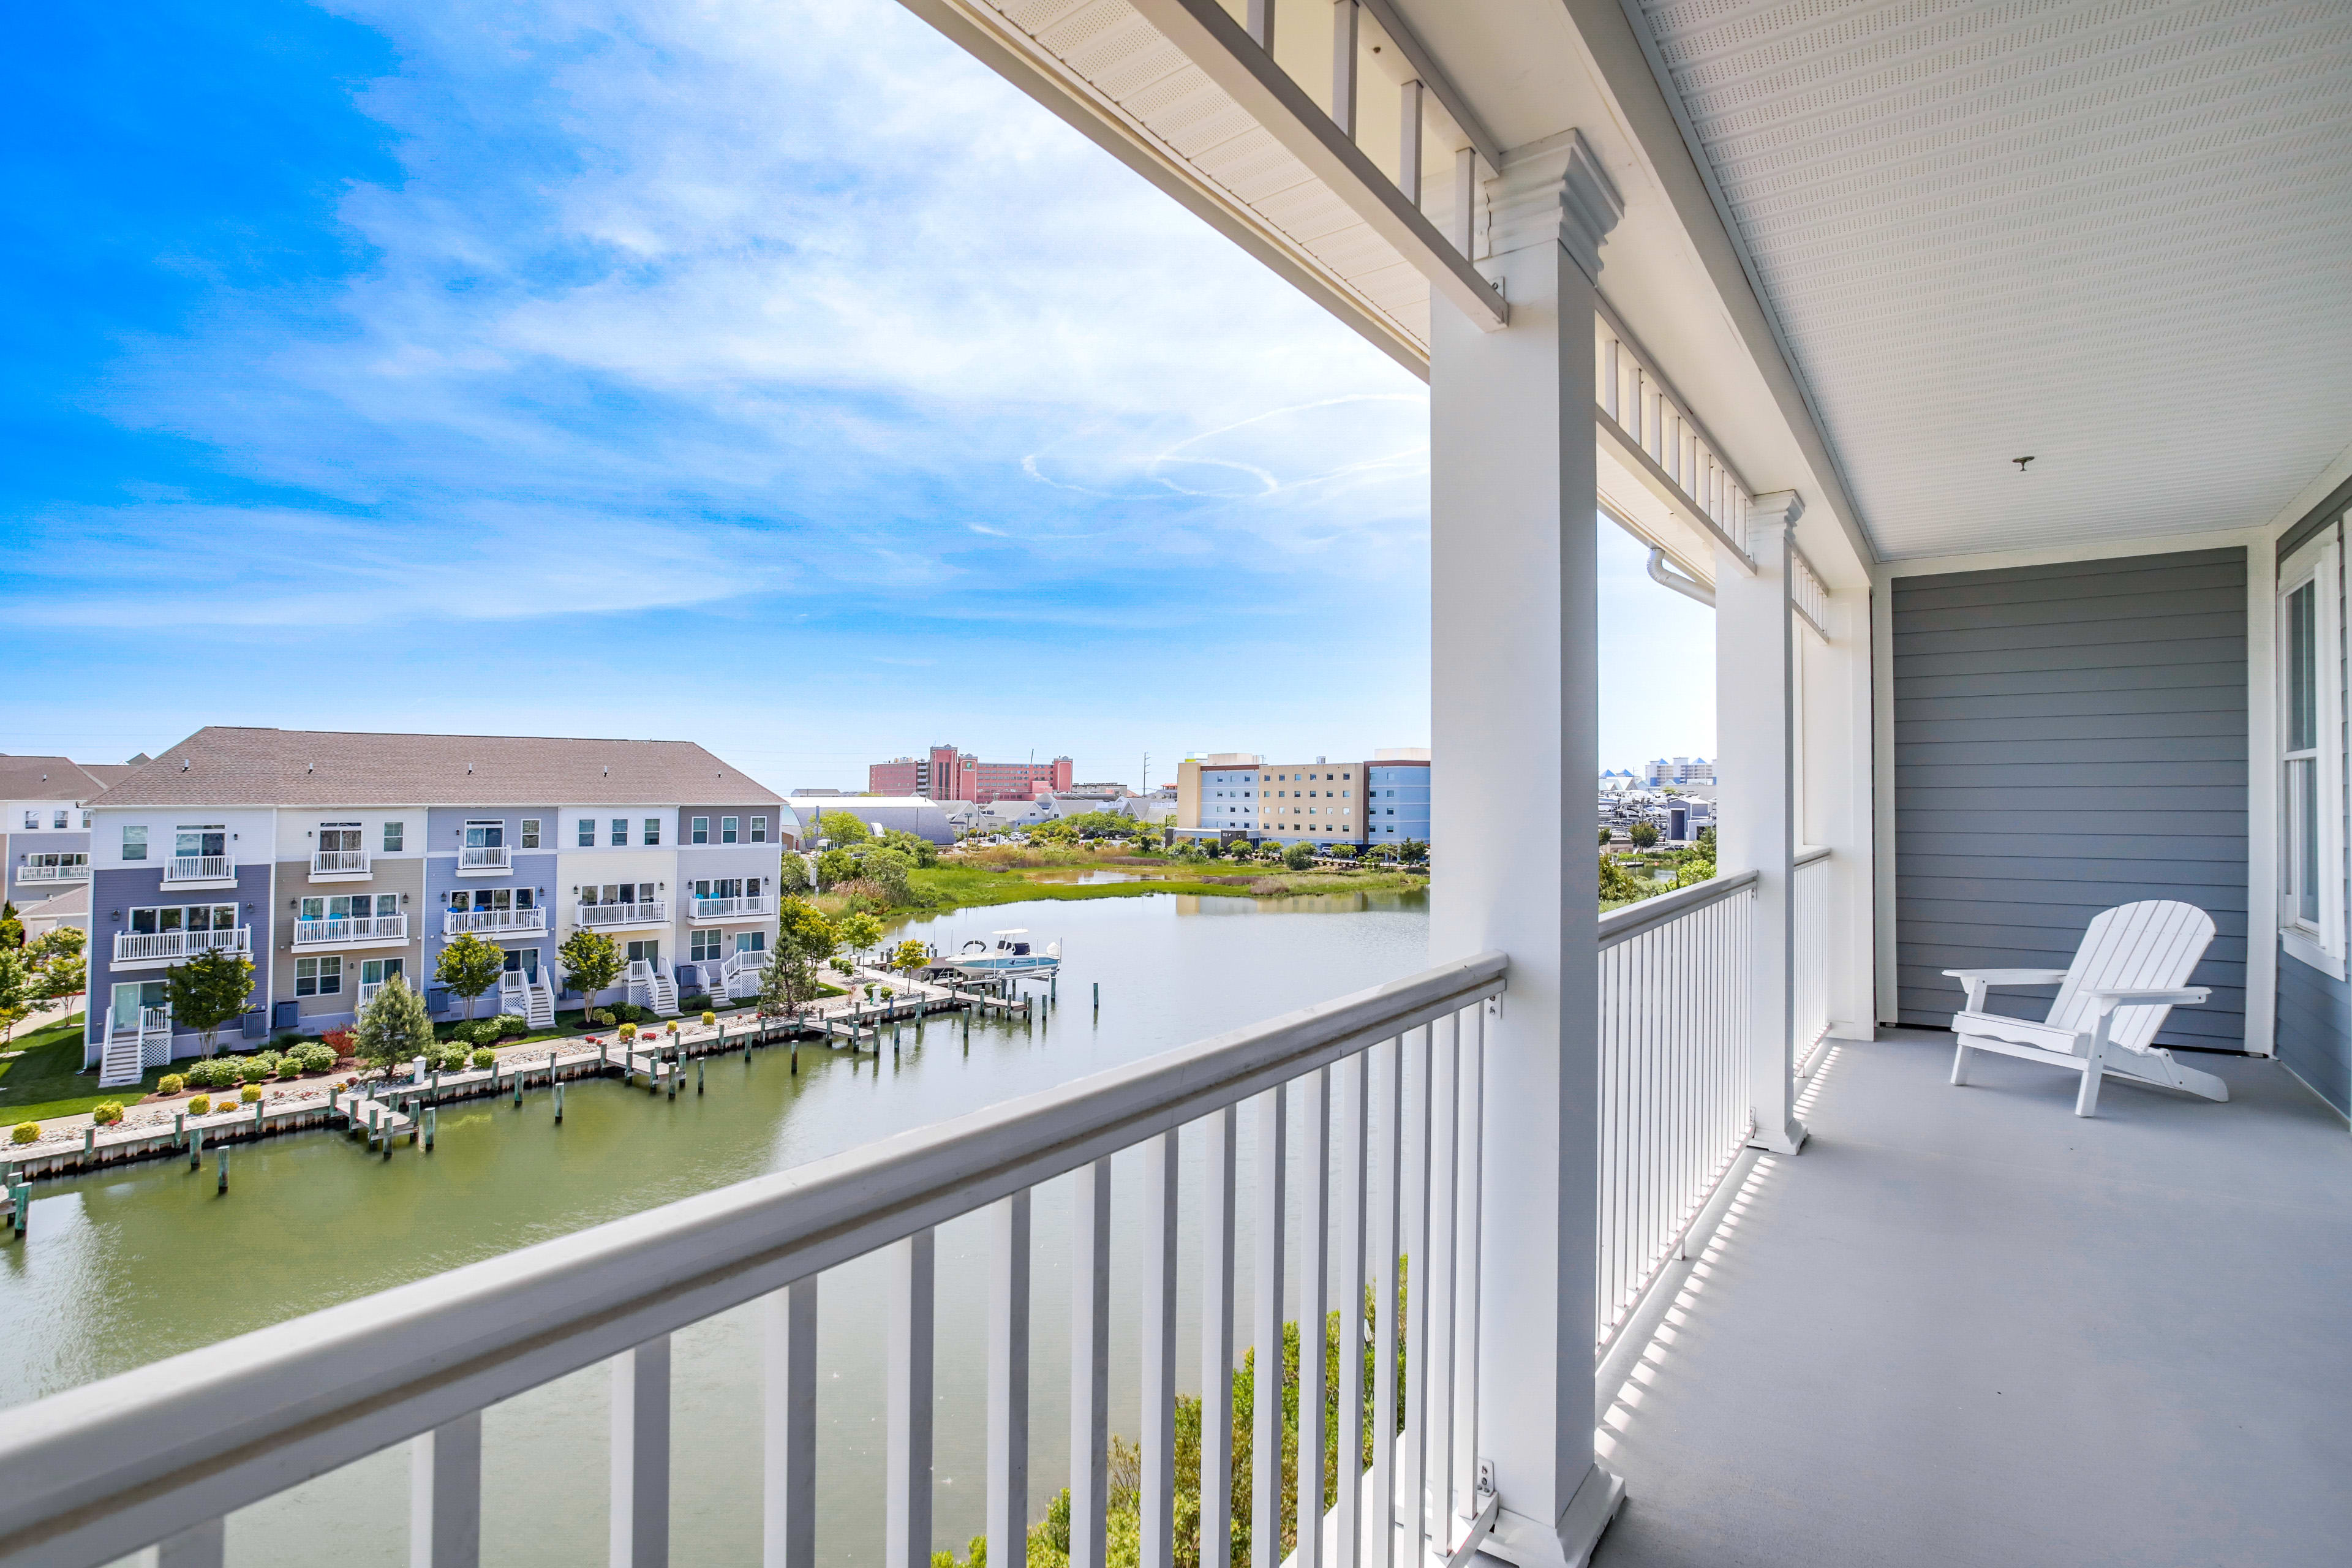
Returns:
(1010, 955)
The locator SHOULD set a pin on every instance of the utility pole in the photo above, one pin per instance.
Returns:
(1147, 774)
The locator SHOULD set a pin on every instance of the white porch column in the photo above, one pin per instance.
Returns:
(1514, 671)
(1836, 742)
(1755, 699)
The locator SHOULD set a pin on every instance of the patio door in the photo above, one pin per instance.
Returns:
(523, 961)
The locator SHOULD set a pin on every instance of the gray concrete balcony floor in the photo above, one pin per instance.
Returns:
(1964, 1327)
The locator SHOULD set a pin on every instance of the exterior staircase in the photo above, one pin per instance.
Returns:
(123, 1057)
(650, 986)
(531, 1001)
(739, 976)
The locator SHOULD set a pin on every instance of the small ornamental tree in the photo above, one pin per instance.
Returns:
(889, 869)
(1644, 835)
(591, 962)
(1298, 856)
(805, 939)
(802, 932)
(1605, 836)
(209, 991)
(60, 964)
(469, 967)
(836, 867)
(792, 874)
(860, 932)
(394, 1027)
(18, 987)
(909, 955)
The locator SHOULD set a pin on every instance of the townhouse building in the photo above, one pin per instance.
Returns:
(336, 860)
(44, 827)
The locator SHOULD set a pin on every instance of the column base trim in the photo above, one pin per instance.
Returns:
(1531, 1544)
(1787, 1143)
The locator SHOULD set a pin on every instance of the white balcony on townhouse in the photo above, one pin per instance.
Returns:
(622, 917)
(60, 869)
(715, 910)
(484, 860)
(160, 949)
(351, 934)
(341, 865)
(493, 922)
(189, 873)
(1846, 1297)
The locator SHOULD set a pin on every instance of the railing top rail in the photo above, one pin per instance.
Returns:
(1812, 853)
(101, 1470)
(1623, 925)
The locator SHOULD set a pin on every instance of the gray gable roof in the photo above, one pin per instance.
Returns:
(222, 766)
(55, 778)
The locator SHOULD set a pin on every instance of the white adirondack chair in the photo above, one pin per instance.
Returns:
(2126, 977)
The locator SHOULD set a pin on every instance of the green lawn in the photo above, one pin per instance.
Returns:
(47, 1081)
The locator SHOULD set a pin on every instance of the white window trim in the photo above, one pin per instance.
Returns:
(2321, 946)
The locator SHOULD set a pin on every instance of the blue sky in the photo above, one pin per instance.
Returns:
(768, 374)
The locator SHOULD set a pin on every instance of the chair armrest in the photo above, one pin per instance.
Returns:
(1975, 980)
(2009, 976)
(2138, 997)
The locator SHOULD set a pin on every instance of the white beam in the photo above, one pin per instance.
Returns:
(1209, 36)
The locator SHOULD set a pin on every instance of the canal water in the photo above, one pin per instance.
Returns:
(126, 1267)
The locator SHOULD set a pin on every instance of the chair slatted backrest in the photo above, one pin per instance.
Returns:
(2152, 945)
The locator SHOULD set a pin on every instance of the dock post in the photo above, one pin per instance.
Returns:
(517, 1083)
(334, 1094)
(671, 1072)
(1097, 995)
(698, 1074)
(196, 1149)
(432, 1115)
(559, 1105)
(223, 1163)
(20, 1207)
(180, 1125)
(796, 1057)
(89, 1139)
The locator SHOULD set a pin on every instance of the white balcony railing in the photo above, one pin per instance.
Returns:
(368, 989)
(453, 921)
(339, 863)
(103, 1471)
(199, 868)
(483, 858)
(740, 908)
(595, 915)
(144, 947)
(38, 869)
(1675, 1091)
(332, 932)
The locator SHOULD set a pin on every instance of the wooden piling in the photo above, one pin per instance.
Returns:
(559, 1105)
(223, 1162)
(431, 1116)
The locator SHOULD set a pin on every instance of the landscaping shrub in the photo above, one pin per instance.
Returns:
(627, 1031)
(709, 1019)
(485, 1057)
(201, 1105)
(630, 1012)
(289, 1066)
(316, 1057)
(286, 1041)
(509, 1026)
(602, 1016)
(170, 1083)
(257, 1069)
(249, 1093)
(340, 1041)
(106, 1112)
(693, 1003)
(26, 1133)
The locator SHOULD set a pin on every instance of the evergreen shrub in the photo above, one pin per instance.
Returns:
(170, 1083)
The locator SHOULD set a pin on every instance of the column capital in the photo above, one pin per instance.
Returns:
(1554, 190)
(1772, 518)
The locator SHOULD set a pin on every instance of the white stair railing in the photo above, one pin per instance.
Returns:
(1339, 1099)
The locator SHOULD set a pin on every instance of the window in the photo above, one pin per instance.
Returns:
(727, 827)
(486, 835)
(759, 830)
(208, 839)
(57, 820)
(334, 838)
(750, 941)
(318, 976)
(653, 830)
(531, 833)
(32, 821)
(699, 830)
(183, 917)
(376, 970)
(395, 834)
(2311, 754)
(620, 833)
(134, 844)
(587, 833)
(706, 946)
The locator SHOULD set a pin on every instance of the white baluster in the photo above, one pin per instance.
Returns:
(444, 1495)
(1217, 1339)
(907, 1451)
(640, 1506)
(788, 1457)
(1089, 1365)
(1157, 1537)
(1265, 1412)
(1008, 1382)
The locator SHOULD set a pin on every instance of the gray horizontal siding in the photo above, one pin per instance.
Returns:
(2069, 738)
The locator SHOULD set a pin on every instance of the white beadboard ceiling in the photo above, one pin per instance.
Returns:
(2114, 235)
